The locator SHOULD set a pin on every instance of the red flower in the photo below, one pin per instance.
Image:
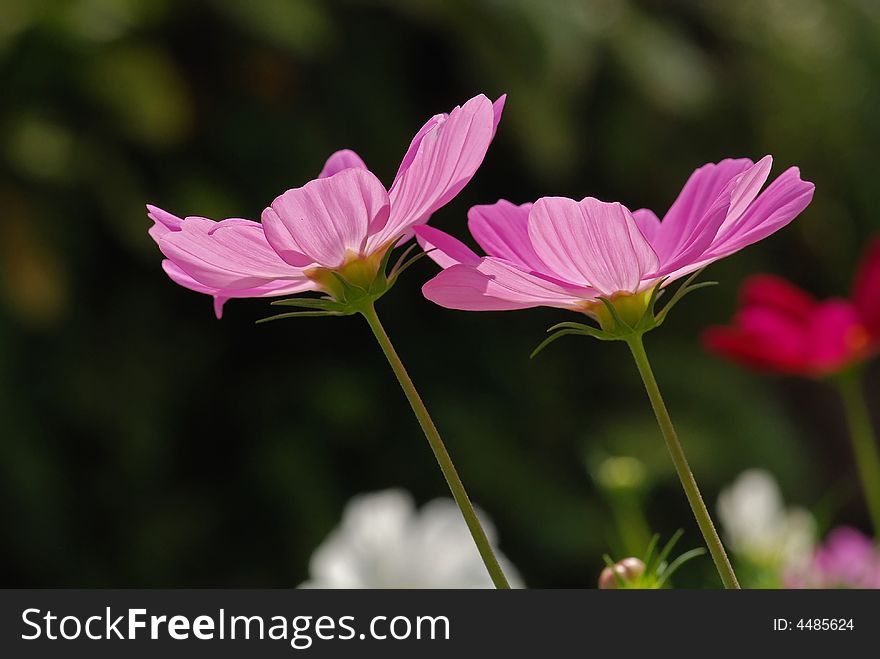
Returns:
(782, 328)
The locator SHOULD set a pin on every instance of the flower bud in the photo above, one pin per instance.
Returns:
(628, 570)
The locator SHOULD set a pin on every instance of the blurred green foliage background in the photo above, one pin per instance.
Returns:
(144, 443)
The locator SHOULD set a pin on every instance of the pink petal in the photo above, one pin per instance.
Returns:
(232, 254)
(591, 243)
(502, 230)
(445, 251)
(866, 288)
(445, 158)
(340, 160)
(327, 219)
(498, 110)
(779, 204)
(271, 289)
(746, 187)
(413, 148)
(496, 285)
(648, 223)
(163, 220)
(730, 203)
(696, 212)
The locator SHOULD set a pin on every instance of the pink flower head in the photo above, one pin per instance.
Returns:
(781, 328)
(847, 559)
(564, 253)
(344, 219)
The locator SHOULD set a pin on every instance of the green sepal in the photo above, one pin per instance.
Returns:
(570, 328)
(613, 326)
(672, 567)
(302, 314)
(323, 303)
(402, 264)
(658, 569)
(352, 289)
(686, 287)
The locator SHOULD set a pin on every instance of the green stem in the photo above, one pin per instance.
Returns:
(864, 444)
(633, 528)
(704, 520)
(440, 452)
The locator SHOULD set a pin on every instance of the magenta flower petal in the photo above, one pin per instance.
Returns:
(340, 160)
(834, 326)
(779, 294)
(866, 289)
(502, 230)
(771, 331)
(780, 327)
(591, 243)
(497, 285)
(326, 220)
(443, 249)
(441, 160)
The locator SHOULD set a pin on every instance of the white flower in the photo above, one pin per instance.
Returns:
(384, 542)
(759, 527)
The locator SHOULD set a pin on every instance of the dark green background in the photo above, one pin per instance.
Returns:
(144, 443)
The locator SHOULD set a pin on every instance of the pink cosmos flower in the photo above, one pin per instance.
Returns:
(847, 559)
(564, 253)
(343, 220)
(781, 328)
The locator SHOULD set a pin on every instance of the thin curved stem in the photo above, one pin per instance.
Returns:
(864, 444)
(704, 520)
(439, 449)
